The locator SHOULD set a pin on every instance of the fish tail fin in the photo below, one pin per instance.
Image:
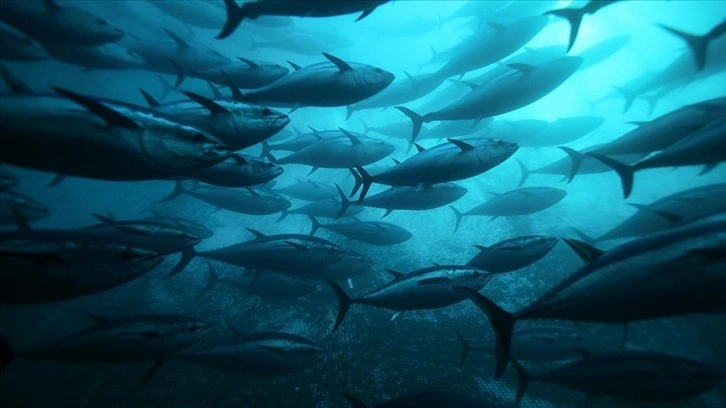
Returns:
(344, 203)
(186, 256)
(167, 88)
(525, 173)
(235, 15)
(366, 181)
(574, 17)
(651, 100)
(212, 281)
(584, 237)
(629, 97)
(366, 129)
(7, 355)
(625, 172)
(283, 215)
(315, 224)
(502, 322)
(267, 152)
(178, 190)
(349, 110)
(458, 215)
(465, 348)
(577, 159)
(358, 181)
(416, 119)
(523, 378)
(697, 43)
(344, 303)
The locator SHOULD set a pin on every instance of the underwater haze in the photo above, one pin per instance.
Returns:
(311, 203)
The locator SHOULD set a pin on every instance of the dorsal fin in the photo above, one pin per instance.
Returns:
(210, 105)
(150, 100)
(395, 160)
(14, 84)
(313, 130)
(673, 218)
(20, 220)
(236, 332)
(240, 160)
(638, 123)
(253, 192)
(99, 319)
(394, 273)
(523, 68)
(496, 26)
(178, 40)
(251, 63)
(111, 116)
(215, 91)
(294, 66)
(586, 252)
(465, 147)
(236, 94)
(351, 136)
(480, 247)
(353, 401)
(104, 219)
(413, 80)
(471, 85)
(256, 233)
(419, 148)
(342, 65)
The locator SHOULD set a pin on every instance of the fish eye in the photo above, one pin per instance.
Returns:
(267, 111)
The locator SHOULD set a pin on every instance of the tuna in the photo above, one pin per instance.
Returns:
(522, 201)
(405, 90)
(236, 124)
(370, 232)
(704, 147)
(308, 190)
(332, 83)
(51, 265)
(512, 254)
(239, 170)
(518, 86)
(16, 207)
(106, 56)
(329, 208)
(265, 284)
(642, 376)
(305, 8)
(243, 201)
(428, 197)
(686, 263)
(427, 288)
(16, 46)
(50, 23)
(245, 74)
(559, 132)
(450, 161)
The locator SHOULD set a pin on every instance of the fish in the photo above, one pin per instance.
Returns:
(328, 208)
(658, 215)
(308, 190)
(686, 263)
(425, 399)
(46, 132)
(236, 124)
(702, 147)
(262, 353)
(427, 288)
(107, 56)
(405, 90)
(305, 8)
(698, 44)
(300, 140)
(326, 84)
(266, 284)
(51, 23)
(149, 337)
(16, 46)
(190, 227)
(238, 170)
(400, 130)
(557, 133)
(42, 266)
(16, 207)
(371, 232)
(492, 43)
(536, 343)
(295, 42)
(284, 253)
(428, 197)
(643, 376)
(517, 86)
(512, 254)
(603, 50)
(246, 74)
(574, 16)
(521, 201)
(243, 201)
(450, 161)
(344, 151)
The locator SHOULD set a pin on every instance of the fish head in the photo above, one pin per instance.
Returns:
(379, 148)
(264, 169)
(535, 243)
(184, 331)
(357, 262)
(474, 278)
(264, 122)
(497, 150)
(179, 148)
(161, 232)
(373, 78)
